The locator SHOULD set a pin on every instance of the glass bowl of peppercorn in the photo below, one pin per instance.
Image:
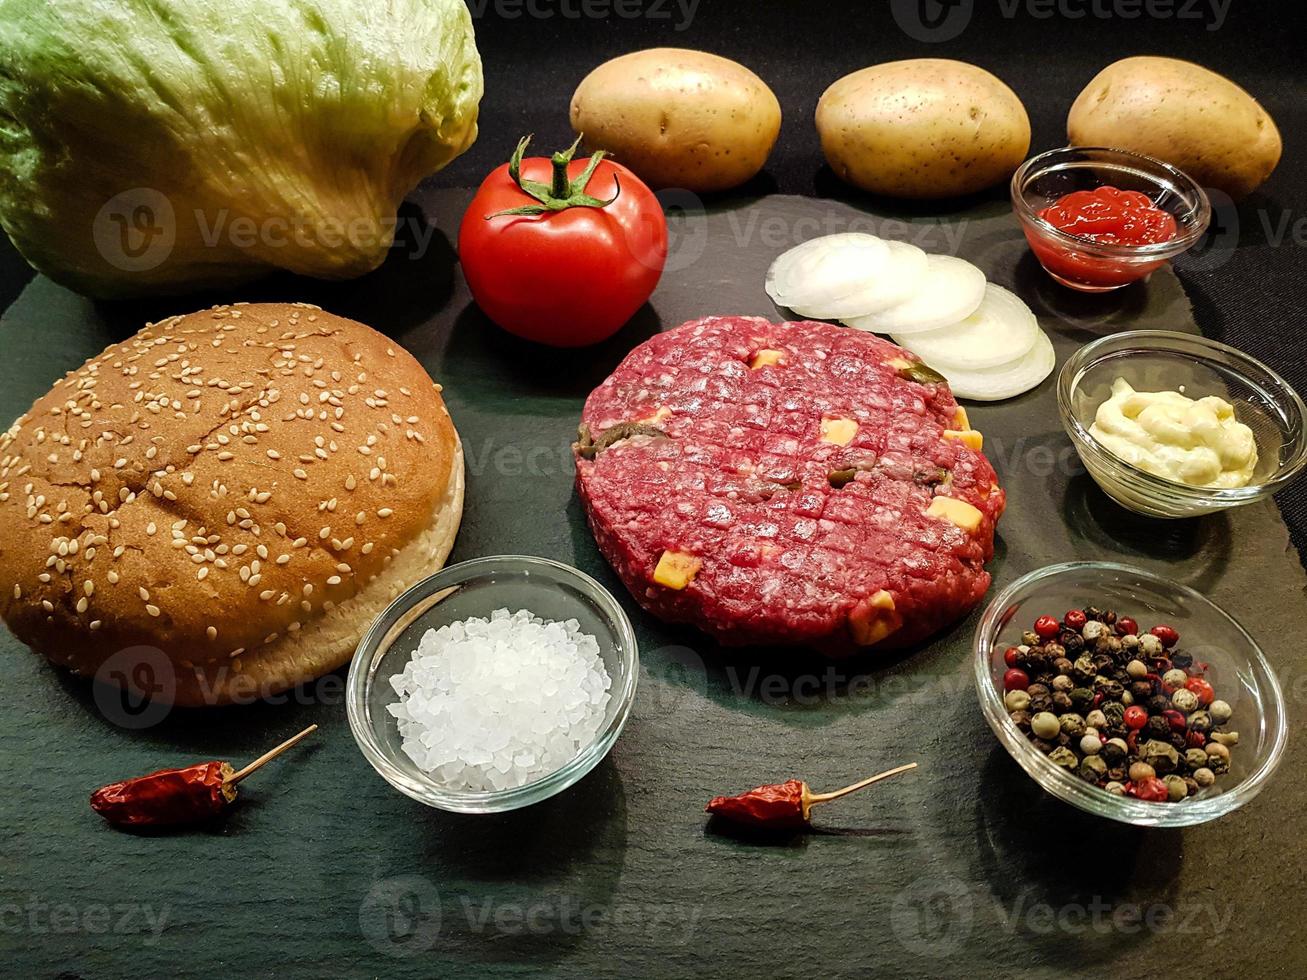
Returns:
(1128, 695)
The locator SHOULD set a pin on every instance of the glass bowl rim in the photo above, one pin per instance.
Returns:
(1071, 789)
(1202, 209)
(1088, 355)
(428, 791)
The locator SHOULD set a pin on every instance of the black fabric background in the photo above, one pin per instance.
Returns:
(1246, 289)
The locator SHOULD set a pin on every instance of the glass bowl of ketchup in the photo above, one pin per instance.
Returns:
(1099, 219)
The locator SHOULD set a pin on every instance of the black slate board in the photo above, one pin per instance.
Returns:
(963, 867)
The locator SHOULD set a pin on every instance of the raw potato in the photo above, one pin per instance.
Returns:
(925, 128)
(1182, 113)
(679, 118)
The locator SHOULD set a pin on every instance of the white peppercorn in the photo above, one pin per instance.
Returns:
(1175, 678)
(1204, 776)
(1150, 646)
(1096, 719)
(1185, 700)
(1176, 788)
(1045, 725)
(1016, 700)
(1115, 788)
(1220, 712)
(1094, 629)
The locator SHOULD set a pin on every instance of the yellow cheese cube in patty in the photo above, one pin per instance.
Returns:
(883, 600)
(838, 431)
(960, 420)
(968, 437)
(958, 512)
(676, 569)
(765, 358)
(874, 619)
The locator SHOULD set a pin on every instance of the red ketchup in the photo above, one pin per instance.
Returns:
(1104, 216)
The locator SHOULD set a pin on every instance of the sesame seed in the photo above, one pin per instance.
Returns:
(273, 454)
(144, 593)
(324, 533)
(82, 604)
(151, 528)
(88, 587)
(95, 625)
(202, 573)
(113, 578)
(152, 610)
(211, 633)
(385, 512)
(334, 580)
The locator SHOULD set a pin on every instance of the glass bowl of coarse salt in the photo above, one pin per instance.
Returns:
(493, 684)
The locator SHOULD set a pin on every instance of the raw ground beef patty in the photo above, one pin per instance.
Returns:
(793, 483)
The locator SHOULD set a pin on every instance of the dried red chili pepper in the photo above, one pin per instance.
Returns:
(172, 797)
(787, 805)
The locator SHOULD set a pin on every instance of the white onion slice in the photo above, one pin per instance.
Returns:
(896, 280)
(951, 291)
(1001, 330)
(1006, 380)
(824, 269)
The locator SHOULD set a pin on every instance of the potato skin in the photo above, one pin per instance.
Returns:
(922, 128)
(1181, 113)
(679, 118)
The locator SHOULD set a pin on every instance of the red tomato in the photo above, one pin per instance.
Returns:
(566, 277)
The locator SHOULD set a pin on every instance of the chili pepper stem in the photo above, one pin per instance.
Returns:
(814, 798)
(268, 756)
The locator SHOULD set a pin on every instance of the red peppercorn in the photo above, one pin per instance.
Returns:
(1195, 740)
(1047, 627)
(1015, 680)
(1075, 620)
(1204, 690)
(1151, 789)
(1175, 719)
(1167, 635)
(1125, 626)
(1136, 717)
(1010, 656)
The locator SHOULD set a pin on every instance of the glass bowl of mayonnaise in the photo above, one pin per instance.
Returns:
(1176, 425)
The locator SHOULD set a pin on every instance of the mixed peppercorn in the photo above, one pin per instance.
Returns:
(1127, 712)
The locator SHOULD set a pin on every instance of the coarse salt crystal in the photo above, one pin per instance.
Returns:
(488, 704)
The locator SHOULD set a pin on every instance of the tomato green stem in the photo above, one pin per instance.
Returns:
(562, 193)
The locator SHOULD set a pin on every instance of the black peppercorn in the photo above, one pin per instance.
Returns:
(1109, 617)
(1082, 698)
(1093, 612)
(1035, 690)
(1021, 719)
(1179, 741)
(1102, 663)
(1117, 774)
(1158, 728)
(1043, 746)
(1064, 739)
(1142, 691)
(1040, 702)
(1083, 669)
(1073, 643)
(1115, 714)
(1054, 650)
(1182, 660)
(1062, 665)
(1062, 703)
(1158, 703)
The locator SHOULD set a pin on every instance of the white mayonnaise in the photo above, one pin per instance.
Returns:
(1198, 443)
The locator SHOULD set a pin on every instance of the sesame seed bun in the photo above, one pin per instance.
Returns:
(242, 489)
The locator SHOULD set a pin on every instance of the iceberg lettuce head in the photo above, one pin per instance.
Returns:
(164, 145)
